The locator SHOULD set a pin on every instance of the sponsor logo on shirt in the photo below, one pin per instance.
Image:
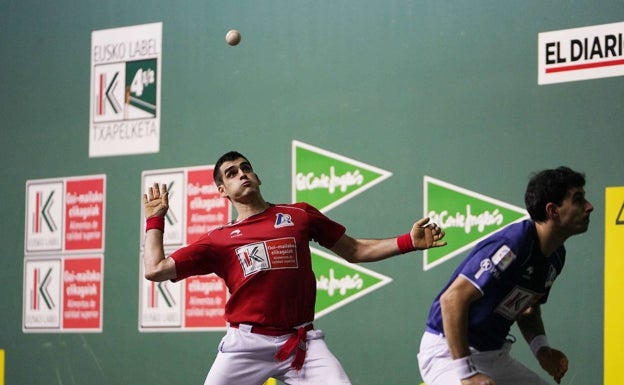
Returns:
(236, 233)
(283, 220)
(268, 255)
(503, 258)
(486, 265)
(516, 302)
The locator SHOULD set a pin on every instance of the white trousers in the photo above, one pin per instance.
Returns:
(434, 359)
(246, 358)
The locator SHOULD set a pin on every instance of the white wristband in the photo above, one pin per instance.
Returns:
(464, 367)
(537, 343)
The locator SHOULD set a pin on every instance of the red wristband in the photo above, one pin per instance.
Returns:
(155, 222)
(404, 242)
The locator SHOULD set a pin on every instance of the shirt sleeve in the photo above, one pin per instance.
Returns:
(191, 260)
(487, 263)
(323, 230)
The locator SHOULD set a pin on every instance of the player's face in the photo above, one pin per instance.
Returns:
(239, 179)
(574, 212)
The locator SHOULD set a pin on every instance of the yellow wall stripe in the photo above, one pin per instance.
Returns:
(1, 367)
(614, 286)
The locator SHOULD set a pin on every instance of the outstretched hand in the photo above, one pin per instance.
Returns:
(554, 362)
(426, 234)
(156, 201)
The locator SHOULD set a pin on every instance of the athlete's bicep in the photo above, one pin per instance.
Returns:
(164, 270)
(345, 247)
(455, 306)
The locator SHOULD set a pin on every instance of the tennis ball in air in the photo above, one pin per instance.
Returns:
(233, 37)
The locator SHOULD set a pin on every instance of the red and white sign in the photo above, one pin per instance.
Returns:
(65, 215)
(205, 207)
(195, 207)
(63, 294)
(82, 294)
(84, 213)
(42, 295)
(174, 180)
(62, 288)
(160, 305)
(581, 53)
(44, 216)
(205, 302)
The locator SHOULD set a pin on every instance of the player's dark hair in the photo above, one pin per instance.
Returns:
(550, 186)
(227, 157)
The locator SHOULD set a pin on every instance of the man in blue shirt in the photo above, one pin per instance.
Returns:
(505, 279)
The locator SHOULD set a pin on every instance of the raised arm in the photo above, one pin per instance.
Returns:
(155, 206)
(424, 235)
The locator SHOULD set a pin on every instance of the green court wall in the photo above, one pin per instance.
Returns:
(444, 89)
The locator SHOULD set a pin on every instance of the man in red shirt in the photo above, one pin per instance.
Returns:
(264, 258)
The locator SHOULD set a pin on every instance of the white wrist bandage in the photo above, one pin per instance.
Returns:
(465, 367)
(537, 343)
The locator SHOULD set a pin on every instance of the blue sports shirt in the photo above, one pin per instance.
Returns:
(510, 271)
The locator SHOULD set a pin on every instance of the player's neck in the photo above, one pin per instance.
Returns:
(245, 209)
(549, 239)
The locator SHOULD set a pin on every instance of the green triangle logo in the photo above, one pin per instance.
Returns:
(326, 180)
(339, 282)
(467, 217)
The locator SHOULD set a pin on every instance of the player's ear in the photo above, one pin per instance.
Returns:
(222, 192)
(552, 210)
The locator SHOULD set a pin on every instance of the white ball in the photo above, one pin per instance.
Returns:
(233, 37)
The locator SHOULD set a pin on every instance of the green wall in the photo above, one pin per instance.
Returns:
(445, 89)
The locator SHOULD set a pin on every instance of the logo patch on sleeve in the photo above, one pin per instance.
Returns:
(503, 258)
(268, 255)
(484, 266)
